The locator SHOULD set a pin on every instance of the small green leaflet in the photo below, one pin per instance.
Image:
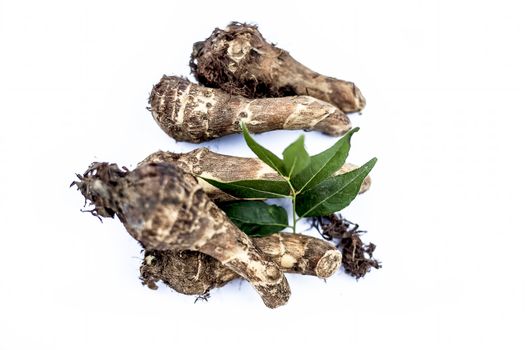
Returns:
(295, 157)
(265, 155)
(253, 188)
(324, 164)
(256, 218)
(334, 193)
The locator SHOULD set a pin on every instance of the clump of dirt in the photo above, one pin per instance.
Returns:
(358, 259)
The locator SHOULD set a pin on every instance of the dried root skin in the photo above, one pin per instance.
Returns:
(220, 167)
(165, 209)
(187, 272)
(225, 168)
(300, 253)
(239, 60)
(196, 273)
(193, 113)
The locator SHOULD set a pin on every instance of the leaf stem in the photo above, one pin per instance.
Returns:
(294, 197)
(293, 214)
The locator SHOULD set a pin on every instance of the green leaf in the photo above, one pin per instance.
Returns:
(334, 193)
(324, 164)
(265, 155)
(295, 157)
(253, 188)
(256, 218)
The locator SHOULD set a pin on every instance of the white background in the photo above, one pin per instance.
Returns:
(444, 84)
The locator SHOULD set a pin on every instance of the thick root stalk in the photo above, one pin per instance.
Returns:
(165, 209)
(225, 168)
(239, 60)
(196, 273)
(193, 113)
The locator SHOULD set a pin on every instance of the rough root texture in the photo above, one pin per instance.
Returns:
(193, 113)
(358, 257)
(225, 168)
(196, 273)
(187, 272)
(240, 61)
(165, 209)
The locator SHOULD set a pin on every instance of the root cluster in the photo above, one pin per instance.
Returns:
(189, 242)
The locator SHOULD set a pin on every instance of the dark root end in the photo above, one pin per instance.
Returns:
(95, 185)
(358, 257)
(210, 62)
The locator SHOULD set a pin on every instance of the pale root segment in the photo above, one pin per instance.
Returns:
(225, 168)
(165, 209)
(301, 254)
(193, 113)
(196, 273)
(239, 60)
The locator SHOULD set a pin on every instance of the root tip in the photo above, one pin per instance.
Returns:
(328, 264)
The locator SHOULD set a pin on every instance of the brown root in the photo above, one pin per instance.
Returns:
(225, 168)
(358, 257)
(165, 209)
(196, 273)
(187, 272)
(240, 61)
(193, 113)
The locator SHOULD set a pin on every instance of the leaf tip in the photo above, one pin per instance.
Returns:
(354, 130)
(370, 164)
(351, 132)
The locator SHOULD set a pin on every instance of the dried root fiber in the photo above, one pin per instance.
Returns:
(165, 209)
(225, 168)
(193, 113)
(239, 60)
(196, 273)
(358, 257)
